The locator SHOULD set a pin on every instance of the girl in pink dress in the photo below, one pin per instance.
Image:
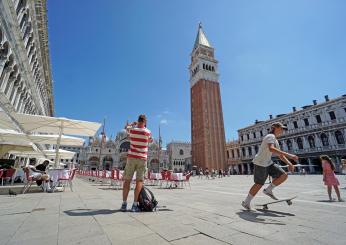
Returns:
(329, 177)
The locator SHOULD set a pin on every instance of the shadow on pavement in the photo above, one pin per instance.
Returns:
(109, 189)
(260, 216)
(90, 212)
(327, 200)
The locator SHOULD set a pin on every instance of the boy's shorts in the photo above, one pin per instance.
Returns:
(261, 173)
(135, 165)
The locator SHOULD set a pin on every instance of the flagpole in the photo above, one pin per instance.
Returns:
(158, 157)
(103, 133)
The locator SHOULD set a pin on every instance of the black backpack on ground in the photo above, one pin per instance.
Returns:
(146, 200)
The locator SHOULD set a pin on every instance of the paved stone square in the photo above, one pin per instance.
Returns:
(208, 213)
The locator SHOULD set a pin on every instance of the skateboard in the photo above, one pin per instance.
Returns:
(287, 200)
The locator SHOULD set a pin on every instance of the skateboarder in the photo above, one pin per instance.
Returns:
(264, 166)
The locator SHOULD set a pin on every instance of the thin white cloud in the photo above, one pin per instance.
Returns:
(164, 121)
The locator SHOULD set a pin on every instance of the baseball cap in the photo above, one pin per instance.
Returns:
(278, 125)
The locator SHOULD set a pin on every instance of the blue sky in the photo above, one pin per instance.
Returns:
(117, 59)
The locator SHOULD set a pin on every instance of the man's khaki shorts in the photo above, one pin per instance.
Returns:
(135, 165)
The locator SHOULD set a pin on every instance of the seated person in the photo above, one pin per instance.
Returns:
(39, 174)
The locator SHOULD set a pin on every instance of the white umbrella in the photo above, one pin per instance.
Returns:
(4, 148)
(20, 138)
(62, 153)
(52, 139)
(6, 122)
(54, 125)
(45, 154)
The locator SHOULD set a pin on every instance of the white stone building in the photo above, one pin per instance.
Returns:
(313, 130)
(99, 154)
(233, 155)
(25, 72)
(112, 153)
(179, 156)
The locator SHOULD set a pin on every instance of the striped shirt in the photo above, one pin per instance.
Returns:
(139, 139)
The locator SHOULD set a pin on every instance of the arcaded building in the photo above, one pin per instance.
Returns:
(25, 70)
(207, 127)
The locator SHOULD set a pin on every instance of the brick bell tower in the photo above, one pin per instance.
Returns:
(207, 128)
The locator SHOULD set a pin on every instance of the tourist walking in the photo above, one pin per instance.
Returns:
(206, 173)
(220, 173)
(329, 177)
(137, 155)
(200, 173)
(264, 166)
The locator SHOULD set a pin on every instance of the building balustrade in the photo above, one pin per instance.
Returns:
(320, 149)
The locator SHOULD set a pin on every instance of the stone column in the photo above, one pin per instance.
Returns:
(338, 166)
(17, 99)
(311, 168)
(332, 139)
(14, 93)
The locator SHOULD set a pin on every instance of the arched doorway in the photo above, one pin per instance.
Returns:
(318, 166)
(124, 147)
(107, 162)
(94, 162)
(240, 168)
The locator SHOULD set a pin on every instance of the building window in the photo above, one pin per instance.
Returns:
(243, 151)
(242, 138)
(306, 122)
(238, 153)
(300, 143)
(324, 138)
(181, 152)
(109, 151)
(232, 153)
(311, 140)
(227, 154)
(339, 137)
(256, 149)
(250, 151)
(332, 115)
(289, 145)
(254, 135)
(261, 133)
(248, 136)
(295, 124)
(318, 119)
(97, 150)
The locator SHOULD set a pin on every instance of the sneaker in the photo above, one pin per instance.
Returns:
(246, 206)
(270, 194)
(341, 200)
(135, 208)
(123, 207)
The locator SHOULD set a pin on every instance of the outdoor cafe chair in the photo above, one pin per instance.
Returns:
(29, 180)
(1, 174)
(67, 180)
(7, 175)
(187, 179)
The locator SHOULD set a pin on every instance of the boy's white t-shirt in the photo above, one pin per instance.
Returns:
(264, 157)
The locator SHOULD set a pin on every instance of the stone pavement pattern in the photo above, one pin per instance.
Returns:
(208, 213)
